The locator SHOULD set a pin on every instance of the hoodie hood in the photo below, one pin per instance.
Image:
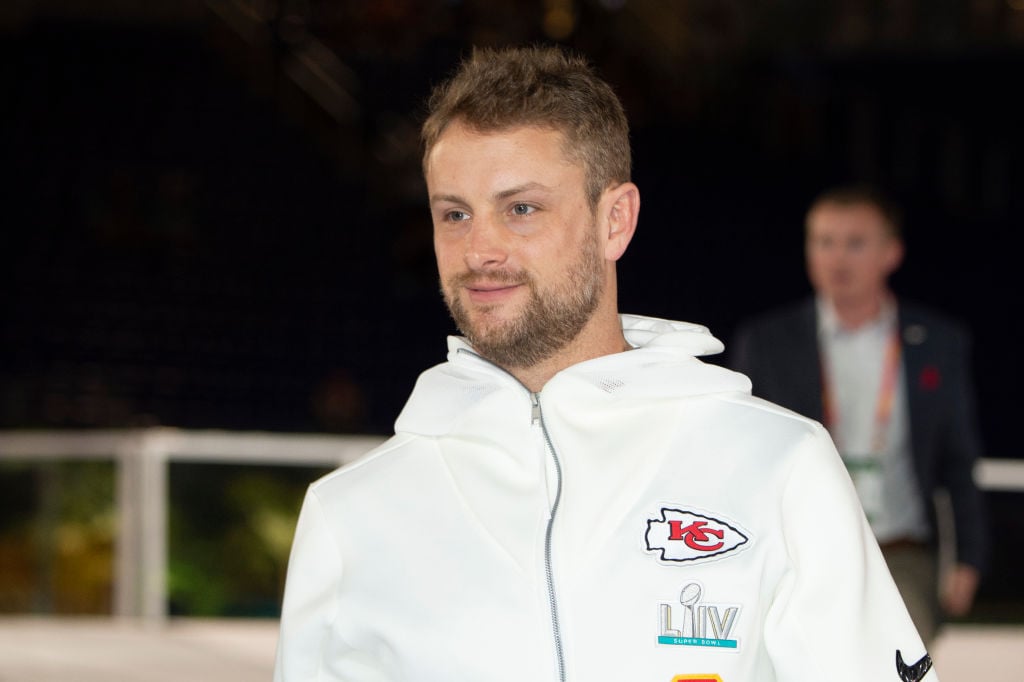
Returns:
(663, 364)
(652, 332)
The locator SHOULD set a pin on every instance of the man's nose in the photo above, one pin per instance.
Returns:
(487, 244)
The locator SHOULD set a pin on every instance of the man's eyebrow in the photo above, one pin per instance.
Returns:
(512, 191)
(450, 198)
(498, 196)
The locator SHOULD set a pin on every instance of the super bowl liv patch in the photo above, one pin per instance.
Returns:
(691, 621)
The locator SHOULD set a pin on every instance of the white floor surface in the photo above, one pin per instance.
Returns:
(109, 650)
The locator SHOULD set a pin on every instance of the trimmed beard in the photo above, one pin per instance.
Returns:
(550, 319)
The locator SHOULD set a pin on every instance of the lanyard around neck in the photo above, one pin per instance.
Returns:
(884, 403)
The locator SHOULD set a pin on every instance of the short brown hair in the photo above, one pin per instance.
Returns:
(861, 195)
(545, 87)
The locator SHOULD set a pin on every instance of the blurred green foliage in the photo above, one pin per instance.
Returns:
(57, 529)
(231, 530)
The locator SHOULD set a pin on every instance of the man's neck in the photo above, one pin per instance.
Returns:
(603, 336)
(855, 313)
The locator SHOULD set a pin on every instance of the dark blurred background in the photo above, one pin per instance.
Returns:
(213, 213)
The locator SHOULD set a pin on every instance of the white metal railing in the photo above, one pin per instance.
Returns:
(143, 455)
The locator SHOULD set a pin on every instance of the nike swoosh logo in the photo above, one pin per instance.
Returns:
(912, 673)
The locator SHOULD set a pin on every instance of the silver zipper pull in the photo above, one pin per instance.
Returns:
(535, 408)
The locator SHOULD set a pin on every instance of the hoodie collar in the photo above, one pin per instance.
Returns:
(663, 364)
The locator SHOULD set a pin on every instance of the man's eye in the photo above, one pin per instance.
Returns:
(522, 209)
(456, 216)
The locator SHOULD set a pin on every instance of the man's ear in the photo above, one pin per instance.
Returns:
(895, 256)
(621, 206)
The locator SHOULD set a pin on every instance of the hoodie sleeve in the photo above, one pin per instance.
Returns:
(837, 614)
(310, 598)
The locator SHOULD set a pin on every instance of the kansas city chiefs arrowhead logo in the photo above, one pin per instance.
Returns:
(686, 536)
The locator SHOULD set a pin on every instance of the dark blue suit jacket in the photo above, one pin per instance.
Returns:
(779, 352)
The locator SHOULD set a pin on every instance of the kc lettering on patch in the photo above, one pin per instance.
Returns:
(682, 536)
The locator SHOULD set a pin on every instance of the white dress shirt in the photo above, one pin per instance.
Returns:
(853, 362)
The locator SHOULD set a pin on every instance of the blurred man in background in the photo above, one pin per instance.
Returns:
(892, 383)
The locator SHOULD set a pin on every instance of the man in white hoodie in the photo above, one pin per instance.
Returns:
(573, 495)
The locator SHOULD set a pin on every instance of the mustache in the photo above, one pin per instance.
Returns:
(471, 278)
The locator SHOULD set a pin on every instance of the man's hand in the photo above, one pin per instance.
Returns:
(958, 590)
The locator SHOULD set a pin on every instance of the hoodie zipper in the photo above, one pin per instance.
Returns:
(537, 418)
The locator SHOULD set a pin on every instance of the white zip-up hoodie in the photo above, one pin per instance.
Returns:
(641, 518)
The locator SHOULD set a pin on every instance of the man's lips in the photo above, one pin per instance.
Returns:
(490, 292)
(491, 287)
